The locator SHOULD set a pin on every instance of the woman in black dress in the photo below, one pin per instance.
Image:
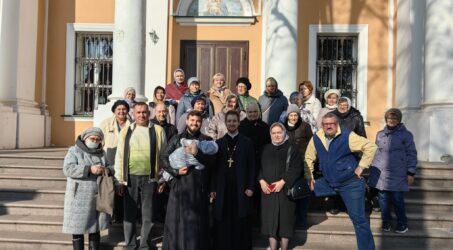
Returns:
(277, 214)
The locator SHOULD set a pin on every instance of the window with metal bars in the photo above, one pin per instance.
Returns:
(93, 81)
(336, 66)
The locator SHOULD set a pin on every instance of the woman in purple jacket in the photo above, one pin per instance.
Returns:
(393, 169)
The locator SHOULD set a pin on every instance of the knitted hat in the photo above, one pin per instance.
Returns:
(193, 80)
(292, 108)
(92, 131)
(396, 112)
(332, 91)
(118, 103)
(198, 98)
(245, 81)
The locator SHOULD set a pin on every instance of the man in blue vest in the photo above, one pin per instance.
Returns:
(336, 149)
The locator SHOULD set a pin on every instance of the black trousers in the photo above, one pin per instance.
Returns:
(139, 192)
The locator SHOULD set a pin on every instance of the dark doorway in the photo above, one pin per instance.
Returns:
(205, 58)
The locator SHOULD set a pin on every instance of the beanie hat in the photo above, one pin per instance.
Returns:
(396, 112)
(292, 108)
(92, 131)
(118, 103)
(332, 91)
(245, 81)
(198, 98)
(193, 80)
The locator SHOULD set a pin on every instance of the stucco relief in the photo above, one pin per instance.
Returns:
(215, 8)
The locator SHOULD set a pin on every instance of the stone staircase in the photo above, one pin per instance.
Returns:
(31, 210)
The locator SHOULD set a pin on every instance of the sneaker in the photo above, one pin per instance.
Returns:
(386, 227)
(334, 211)
(401, 229)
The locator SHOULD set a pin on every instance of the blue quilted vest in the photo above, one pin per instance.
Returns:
(338, 164)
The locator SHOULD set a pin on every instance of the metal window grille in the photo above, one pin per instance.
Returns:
(336, 66)
(93, 82)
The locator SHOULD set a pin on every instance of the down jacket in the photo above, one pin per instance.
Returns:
(395, 159)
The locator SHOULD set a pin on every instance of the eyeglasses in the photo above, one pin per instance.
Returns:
(329, 124)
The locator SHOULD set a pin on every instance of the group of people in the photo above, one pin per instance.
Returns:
(226, 159)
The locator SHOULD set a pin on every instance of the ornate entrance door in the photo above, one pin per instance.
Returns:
(205, 58)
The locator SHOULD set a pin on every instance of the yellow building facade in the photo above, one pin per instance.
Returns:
(257, 38)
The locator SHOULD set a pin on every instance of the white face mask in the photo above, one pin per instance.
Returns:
(91, 144)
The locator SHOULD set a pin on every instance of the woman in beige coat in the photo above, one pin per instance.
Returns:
(218, 92)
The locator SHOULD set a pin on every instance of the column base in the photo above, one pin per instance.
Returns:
(8, 123)
(431, 129)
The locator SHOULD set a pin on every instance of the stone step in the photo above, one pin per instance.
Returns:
(429, 205)
(31, 223)
(325, 236)
(30, 194)
(30, 170)
(415, 220)
(35, 160)
(444, 181)
(434, 168)
(32, 207)
(417, 192)
(15, 181)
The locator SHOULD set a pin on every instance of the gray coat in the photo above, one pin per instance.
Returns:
(80, 215)
(395, 159)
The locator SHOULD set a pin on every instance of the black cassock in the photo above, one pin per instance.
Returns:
(232, 206)
(186, 223)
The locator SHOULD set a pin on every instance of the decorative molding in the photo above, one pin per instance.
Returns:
(215, 21)
(71, 29)
(361, 30)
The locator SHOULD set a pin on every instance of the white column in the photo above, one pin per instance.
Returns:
(19, 33)
(129, 48)
(280, 43)
(438, 102)
(156, 50)
(128, 54)
(409, 58)
(438, 52)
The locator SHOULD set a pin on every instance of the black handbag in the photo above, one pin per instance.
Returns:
(300, 188)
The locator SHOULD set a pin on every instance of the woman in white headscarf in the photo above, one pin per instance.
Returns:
(331, 97)
(275, 178)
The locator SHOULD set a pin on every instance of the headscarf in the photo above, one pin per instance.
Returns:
(178, 70)
(284, 133)
(347, 99)
(127, 90)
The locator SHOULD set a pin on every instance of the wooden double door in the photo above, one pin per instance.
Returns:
(205, 58)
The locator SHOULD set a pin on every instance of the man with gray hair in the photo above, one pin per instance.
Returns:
(334, 147)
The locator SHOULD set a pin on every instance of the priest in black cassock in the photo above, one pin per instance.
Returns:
(258, 131)
(186, 224)
(233, 187)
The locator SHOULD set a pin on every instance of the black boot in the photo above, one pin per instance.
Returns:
(77, 243)
(94, 241)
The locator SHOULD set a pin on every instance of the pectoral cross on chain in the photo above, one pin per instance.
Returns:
(230, 162)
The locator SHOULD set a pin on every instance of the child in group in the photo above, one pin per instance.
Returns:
(393, 169)
(180, 158)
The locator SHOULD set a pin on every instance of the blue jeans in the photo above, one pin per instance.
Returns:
(395, 198)
(353, 195)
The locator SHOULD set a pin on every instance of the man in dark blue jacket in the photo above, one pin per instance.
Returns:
(334, 148)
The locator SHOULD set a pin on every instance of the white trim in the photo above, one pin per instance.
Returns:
(390, 54)
(44, 56)
(263, 46)
(215, 21)
(77, 119)
(71, 29)
(362, 57)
